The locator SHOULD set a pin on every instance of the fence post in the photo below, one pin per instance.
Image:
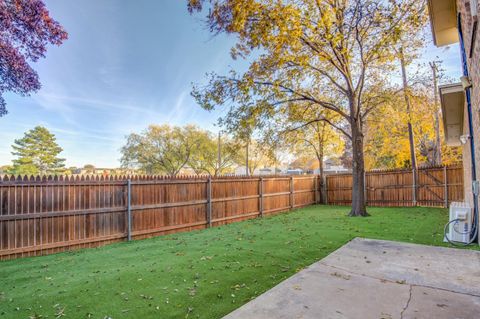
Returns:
(365, 197)
(260, 196)
(291, 193)
(129, 210)
(315, 179)
(414, 190)
(446, 185)
(209, 201)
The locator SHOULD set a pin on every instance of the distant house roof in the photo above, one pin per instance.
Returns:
(443, 21)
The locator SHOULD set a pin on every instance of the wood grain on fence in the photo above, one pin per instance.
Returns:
(436, 186)
(45, 215)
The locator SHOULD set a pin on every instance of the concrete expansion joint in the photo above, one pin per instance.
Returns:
(362, 275)
(399, 282)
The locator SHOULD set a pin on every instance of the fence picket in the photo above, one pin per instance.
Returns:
(42, 215)
(434, 186)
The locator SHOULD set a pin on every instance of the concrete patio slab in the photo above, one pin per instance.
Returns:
(452, 269)
(377, 279)
(436, 303)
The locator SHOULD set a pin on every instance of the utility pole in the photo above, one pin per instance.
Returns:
(275, 158)
(219, 155)
(438, 146)
(409, 110)
(410, 128)
(246, 160)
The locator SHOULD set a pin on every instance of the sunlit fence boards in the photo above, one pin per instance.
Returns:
(51, 214)
(45, 215)
(432, 186)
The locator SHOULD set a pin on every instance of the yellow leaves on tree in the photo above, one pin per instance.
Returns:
(387, 144)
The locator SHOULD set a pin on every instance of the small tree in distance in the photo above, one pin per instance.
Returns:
(37, 153)
(214, 155)
(165, 149)
(89, 168)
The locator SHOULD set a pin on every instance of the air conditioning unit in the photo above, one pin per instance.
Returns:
(460, 222)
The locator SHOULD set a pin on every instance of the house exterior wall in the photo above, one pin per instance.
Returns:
(467, 167)
(473, 62)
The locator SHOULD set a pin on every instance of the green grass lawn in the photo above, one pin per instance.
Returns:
(201, 274)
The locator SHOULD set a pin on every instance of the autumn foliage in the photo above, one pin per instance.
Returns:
(325, 55)
(26, 30)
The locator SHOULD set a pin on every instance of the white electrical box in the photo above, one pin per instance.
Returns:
(460, 222)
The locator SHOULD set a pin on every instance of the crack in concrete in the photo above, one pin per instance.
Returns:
(408, 302)
(399, 283)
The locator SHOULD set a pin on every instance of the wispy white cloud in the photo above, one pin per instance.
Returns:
(55, 106)
(179, 111)
(93, 138)
(60, 101)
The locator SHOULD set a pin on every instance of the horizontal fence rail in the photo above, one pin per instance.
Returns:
(45, 215)
(39, 216)
(435, 186)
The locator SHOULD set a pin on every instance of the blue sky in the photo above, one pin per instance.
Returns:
(126, 64)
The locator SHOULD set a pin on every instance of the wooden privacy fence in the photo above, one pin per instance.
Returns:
(433, 186)
(41, 216)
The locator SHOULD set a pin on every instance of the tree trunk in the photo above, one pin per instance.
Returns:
(358, 171)
(320, 167)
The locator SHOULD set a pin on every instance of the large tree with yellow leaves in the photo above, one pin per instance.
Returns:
(327, 54)
(387, 142)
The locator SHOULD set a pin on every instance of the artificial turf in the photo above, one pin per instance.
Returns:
(200, 274)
